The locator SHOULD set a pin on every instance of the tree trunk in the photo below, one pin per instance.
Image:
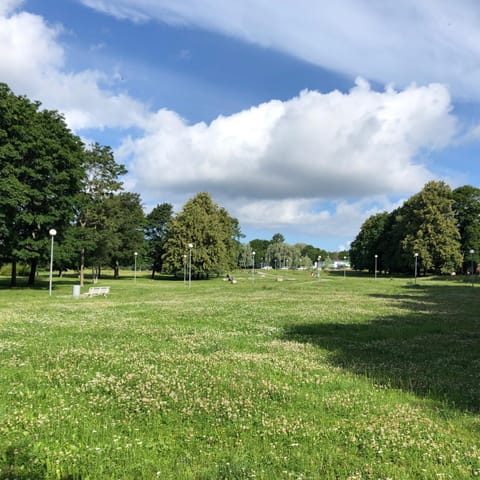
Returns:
(13, 277)
(116, 270)
(33, 272)
(153, 274)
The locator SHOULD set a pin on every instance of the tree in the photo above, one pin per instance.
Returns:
(156, 229)
(245, 256)
(95, 229)
(282, 255)
(210, 229)
(392, 258)
(305, 261)
(367, 243)
(124, 235)
(431, 229)
(41, 172)
(313, 253)
(260, 248)
(278, 238)
(466, 204)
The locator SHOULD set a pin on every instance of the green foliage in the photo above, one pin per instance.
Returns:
(467, 211)
(245, 257)
(278, 238)
(41, 169)
(283, 255)
(312, 252)
(260, 248)
(124, 233)
(156, 228)
(99, 231)
(367, 243)
(211, 231)
(424, 224)
(431, 229)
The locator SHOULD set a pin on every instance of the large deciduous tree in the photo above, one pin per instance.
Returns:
(211, 231)
(156, 228)
(125, 229)
(41, 169)
(426, 224)
(260, 248)
(466, 204)
(431, 229)
(367, 243)
(95, 230)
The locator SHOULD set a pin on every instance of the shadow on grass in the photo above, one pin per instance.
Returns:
(431, 348)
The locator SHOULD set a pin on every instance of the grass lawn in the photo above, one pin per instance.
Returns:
(332, 378)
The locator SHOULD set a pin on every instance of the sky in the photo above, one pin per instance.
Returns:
(299, 117)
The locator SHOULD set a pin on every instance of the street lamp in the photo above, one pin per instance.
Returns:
(253, 266)
(190, 246)
(135, 254)
(52, 233)
(318, 266)
(185, 269)
(416, 259)
(472, 251)
(376, 258)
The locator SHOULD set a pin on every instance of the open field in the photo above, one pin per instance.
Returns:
(337, 378)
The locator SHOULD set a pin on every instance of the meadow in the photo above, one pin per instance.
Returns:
(342, 377)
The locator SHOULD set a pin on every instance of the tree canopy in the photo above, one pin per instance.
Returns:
(156, 230)
(211, 231)
(466, 205)
(426, 224)
(41, 170)
(49, 179)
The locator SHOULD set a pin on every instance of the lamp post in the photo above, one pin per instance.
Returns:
(416, 260)
(318, 266)
(190, 246)
(52, 233)
(472, 251)
(376, 258)
(185, 269)
(253, 266)
(135, 255)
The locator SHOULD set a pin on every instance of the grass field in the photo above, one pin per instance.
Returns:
(337, 378)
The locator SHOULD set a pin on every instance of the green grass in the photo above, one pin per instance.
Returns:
(342, 378)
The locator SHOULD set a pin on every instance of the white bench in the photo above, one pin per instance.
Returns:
(94, 291)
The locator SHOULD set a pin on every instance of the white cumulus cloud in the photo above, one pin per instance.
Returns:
(33, 64)
(312, 146)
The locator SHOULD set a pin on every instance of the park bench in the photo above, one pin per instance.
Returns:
(94, 291)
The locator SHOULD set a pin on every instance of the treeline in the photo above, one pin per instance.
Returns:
(278, 254)
(50, 180)
(441, 226)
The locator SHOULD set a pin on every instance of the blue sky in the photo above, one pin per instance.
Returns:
(301, 117)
